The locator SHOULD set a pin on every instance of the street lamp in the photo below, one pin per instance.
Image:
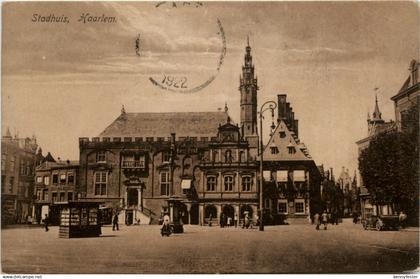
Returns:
(271, 106)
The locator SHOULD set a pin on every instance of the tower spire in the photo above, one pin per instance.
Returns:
(248, 88)
(377, 115)
(247, 40)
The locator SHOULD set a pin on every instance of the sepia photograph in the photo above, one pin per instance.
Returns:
(214, 137)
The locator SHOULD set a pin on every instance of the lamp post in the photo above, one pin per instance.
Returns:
(271, 106)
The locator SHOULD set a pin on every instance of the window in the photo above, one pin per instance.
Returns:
(101, 178)
(46, 180)
(39, 179)
(299, 207)
(28, 168)
(228, 183)
(246, 183)
(3, 162)
(274, 150)
(63, 178)
(12, 163)
(11, 182)
(241, 156)
(62, 196)
(282, 207)
(211, 183)
(215, 156)
(133, 161)
(292, 149)
(55, 178)
(39, 195)
(22, 167)
(164, 183)
(54, 196)
(101, 156)
(166, 157)
(70, 196)
(70, 178)
(45, 194)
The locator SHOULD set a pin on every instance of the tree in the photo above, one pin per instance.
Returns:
(389, 168)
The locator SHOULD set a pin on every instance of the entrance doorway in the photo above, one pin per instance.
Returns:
(246, 209)
(194, 214)
(132, 197)
(229, 211)
(183, 213)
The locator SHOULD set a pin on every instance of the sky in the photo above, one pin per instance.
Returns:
(62, 81)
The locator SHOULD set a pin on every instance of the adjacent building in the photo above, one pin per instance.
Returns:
(18, 160)
(406, 104)
(56, 183)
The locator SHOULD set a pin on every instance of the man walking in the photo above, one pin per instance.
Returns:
(46, 221)
(115, 222)
(235, 220)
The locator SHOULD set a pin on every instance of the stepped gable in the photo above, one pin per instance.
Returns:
(284, 139)
(192, 124)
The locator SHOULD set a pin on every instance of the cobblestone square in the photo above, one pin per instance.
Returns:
(346, 248)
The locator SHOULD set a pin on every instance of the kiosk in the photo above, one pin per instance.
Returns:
(80, 219)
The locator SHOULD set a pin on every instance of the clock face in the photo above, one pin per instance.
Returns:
(181, 56)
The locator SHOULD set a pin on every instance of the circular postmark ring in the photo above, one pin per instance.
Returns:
(180, 88)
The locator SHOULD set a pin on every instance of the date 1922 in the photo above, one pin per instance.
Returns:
(173, 81)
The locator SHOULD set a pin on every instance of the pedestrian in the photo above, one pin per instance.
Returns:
(229, 221)
(222, 220)
(355, 218)
(115, 222)
(210, 219)
(316, 220)
(324, 219)
(402, 217)
(46, 221)
(333, 216)
(235, 220)
(246, 222)
(166, 229)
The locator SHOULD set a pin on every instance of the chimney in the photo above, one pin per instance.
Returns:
(288, 114)
(281, 106)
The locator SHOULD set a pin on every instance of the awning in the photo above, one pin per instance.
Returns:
(267, 175)
(282, 176)
(299, 175)
(186, 184)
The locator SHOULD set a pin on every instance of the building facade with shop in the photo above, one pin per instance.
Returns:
(56, 183)
(18, 160)
(291, 177)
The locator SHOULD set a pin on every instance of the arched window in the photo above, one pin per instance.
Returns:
(215, 156)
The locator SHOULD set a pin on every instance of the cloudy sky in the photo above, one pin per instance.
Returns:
(62, 81)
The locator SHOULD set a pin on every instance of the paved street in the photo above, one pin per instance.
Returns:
(280, 249)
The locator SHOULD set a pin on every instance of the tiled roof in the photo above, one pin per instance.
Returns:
(283, 144)
(192, 124)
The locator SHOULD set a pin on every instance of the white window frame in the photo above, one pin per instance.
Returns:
(46, 180)
(214, 183)
(246, 185)
(286, 204)
(165, 183)
(303, 203)
(228, 183)
(100, 182)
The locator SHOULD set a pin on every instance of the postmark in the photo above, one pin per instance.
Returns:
(185, 83)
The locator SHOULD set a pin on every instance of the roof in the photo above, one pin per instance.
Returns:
(283, 144)
(192, 124)
(46, 165)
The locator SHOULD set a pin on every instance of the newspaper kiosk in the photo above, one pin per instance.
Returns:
(80, 219)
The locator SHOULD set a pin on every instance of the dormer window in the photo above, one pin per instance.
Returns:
(291, 148)
(274, 150)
